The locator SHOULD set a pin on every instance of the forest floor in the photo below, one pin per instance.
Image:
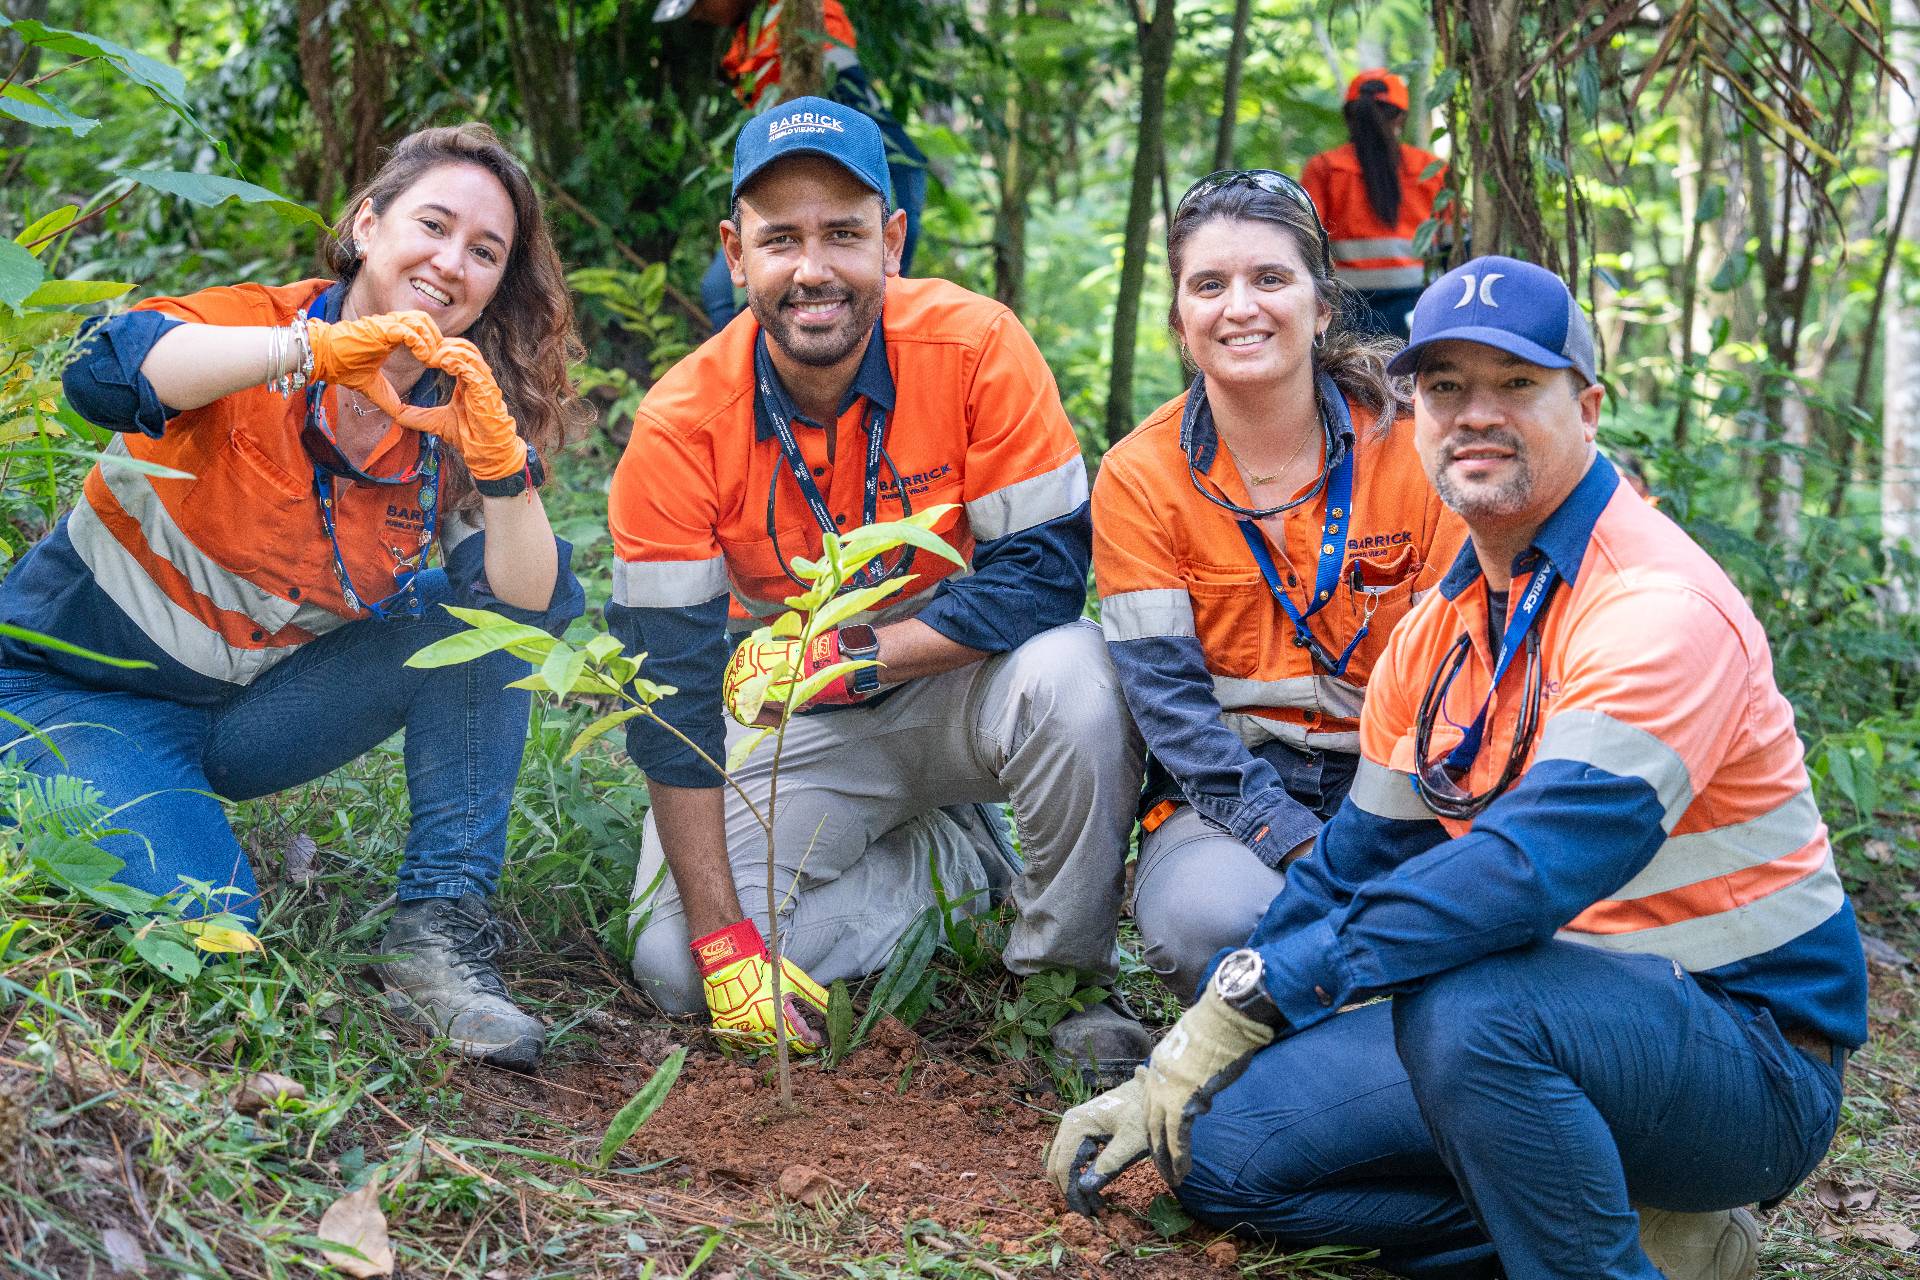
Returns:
(132, 1148)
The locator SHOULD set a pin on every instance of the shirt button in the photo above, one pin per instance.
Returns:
(839, 519)
(293, 593)
(1311, 717)
(1320, 994)
(819, 471)
(259, 636)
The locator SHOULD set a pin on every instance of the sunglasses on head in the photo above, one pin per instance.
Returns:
(1271, 181)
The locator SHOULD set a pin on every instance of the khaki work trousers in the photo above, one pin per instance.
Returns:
(858, 826)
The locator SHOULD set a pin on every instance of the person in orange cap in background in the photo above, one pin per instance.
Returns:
(1373, 193)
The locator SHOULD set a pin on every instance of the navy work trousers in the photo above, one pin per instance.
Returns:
(1510, 1114)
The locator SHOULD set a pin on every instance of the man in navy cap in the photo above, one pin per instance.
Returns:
(850, 396)
(1580, 861)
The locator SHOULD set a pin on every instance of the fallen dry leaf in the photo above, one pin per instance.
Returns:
(298, 856)
(1847, 1198)
(264, 1088)
(1895, 1235)
(124, 1252)
(355, 1220)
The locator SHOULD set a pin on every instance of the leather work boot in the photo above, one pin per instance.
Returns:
(1106, 1041)
(1701, 1246)
(440, 971)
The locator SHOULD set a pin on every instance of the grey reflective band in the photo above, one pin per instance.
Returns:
(1626, 751)
(1030, 502)
(1410, 277)
(1327, 694)
(1141, 615)
(1387, 793)
(1380, 247)
(1708, 942)
(1704, 855)
(668, 584)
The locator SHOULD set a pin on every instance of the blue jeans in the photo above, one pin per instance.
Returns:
(333, 700)
(1523, 1103)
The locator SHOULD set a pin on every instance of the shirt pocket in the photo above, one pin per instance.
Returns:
(1237, 620)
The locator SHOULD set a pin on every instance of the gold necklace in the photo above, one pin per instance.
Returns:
(1254, 481)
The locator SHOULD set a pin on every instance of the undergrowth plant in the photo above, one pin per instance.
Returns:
(598, 669)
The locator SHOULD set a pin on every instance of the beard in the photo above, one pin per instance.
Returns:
(1505, 497)
(819, 348)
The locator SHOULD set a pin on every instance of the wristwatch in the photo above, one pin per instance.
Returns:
(858, 642)
(509, 486)
(1240, 980)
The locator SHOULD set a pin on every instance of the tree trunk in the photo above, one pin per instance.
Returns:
(1156, 58)
(1900, 448)
(1230, 93)
(1705, 133)
(544, 74)
(803, 44)
(1013, 165)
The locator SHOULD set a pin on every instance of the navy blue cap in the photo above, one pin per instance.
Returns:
(812, 126)
(1512, 306)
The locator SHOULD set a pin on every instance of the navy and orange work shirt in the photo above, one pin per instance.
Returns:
(1664, 808)
(222, 569)
(1206, 654)
(975, 422)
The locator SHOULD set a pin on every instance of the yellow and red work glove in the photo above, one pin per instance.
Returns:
(475, 424)
(350, 353)
(762, 654)
(739, 983)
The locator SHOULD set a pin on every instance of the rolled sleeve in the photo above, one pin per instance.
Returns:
(104, 383)
(466, 572)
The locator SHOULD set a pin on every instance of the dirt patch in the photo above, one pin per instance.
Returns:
(902, 1132)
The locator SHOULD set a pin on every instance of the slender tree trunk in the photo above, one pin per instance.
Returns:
(544, 74)
(1705, 135)
(1156, 57)
(1900, 448)
(1230, 93)
(1013, 164)
(803, 44)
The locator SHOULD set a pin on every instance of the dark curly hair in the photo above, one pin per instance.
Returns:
(527, 331)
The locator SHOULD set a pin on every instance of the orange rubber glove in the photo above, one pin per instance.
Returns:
(475, 423)
(350, 353)
(759, 654)
(739, 980)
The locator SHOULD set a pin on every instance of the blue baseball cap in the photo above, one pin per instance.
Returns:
(1512, 306)
(813, 126)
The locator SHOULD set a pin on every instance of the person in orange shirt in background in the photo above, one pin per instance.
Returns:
(752, 64)
(1255, 542)
(1374, 193)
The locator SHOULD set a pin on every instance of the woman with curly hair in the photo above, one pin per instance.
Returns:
(256, 544)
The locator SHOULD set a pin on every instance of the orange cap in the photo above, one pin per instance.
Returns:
(1395, 91)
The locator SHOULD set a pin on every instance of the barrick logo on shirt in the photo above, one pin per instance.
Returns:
(804, 122)
(917, 483)
(1380, 541)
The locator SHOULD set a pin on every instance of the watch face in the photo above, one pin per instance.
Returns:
(1239, 974)
(857, 637)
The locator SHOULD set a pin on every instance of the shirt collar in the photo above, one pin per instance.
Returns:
(1201, 439)
(873, 379)
(1562, 540)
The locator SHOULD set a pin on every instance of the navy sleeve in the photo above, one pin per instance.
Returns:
(467, 574)
(1021, 585)
(686, 648)
(1171, 696)
(104, 383)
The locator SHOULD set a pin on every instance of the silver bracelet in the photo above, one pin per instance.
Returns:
(303, 369)
(276, 358)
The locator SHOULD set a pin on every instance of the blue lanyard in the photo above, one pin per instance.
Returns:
(405, 601)
(1512, 640)
(774, 409)
(1328, 564)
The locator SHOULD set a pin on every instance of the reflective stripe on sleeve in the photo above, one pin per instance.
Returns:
(1336, 698)
(1387, 793)
(1598, 739)
(1379, 247)
(1139, 615)
(1708, 942)
(668, 584)
(1703, 855)
(1382, 277)
(1257, 731)
(1029, 502)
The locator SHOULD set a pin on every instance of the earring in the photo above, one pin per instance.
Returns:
(1319, 339)
(359, 250)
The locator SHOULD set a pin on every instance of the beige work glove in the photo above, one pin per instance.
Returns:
(1096, 1142)
(1204, 1053)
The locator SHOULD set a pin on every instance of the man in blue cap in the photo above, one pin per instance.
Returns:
(1570, 979)
(850, 396)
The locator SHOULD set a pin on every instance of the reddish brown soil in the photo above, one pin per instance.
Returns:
(918, 1134)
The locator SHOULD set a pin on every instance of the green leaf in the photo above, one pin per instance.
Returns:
(122, 461)
(20, 273)
(858, 600)
(904, 969)
(47, 224)
(737, 756)
(1732, 272)
(210, 190)
(839, 1022)
(1713, 202)
(43, 112)
(74, 862)
(601, 727)
(468, 645)
(58, 645)
(162, 80)
(74, 293)
(641, 1106)
(562, 667)
(1167, 1217)
(170, 957)
(602, 647)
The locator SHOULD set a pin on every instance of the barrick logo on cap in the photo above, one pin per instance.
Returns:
(1486, 289)
(803, 122)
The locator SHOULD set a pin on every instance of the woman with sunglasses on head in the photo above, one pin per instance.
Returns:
(256, 542)
(1374, 192)
(1255, 541)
